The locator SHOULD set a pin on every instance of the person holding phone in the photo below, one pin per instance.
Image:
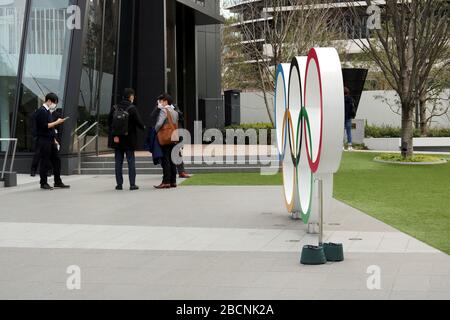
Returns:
(47, 143)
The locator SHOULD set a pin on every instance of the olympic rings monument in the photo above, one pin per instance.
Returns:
(309, 120)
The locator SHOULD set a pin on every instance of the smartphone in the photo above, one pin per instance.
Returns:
(67, 118)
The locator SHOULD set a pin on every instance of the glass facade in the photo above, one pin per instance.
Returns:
(148, 45)
(45, 62)
(98, 69)
(11, 28)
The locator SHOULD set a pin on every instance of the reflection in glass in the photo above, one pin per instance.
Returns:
(11, 26)
(97, 80)
(47, 47)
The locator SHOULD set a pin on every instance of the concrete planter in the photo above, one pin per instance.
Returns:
(393, 144)
(443, 161)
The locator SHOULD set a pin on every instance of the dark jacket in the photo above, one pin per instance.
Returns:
(350, 108)
(154, 117)
(152, 145)
(128, 142)
(42, 118)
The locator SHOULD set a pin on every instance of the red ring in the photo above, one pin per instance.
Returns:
(314, 165)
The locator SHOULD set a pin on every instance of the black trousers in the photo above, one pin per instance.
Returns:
(131, 159)
(49, 159)
(36, 158)
(169, 167)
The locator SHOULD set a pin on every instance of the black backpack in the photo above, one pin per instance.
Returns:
(120, 122)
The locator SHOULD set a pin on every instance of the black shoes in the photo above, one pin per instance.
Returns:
(132, 188)
(61, 186)
(56, 186)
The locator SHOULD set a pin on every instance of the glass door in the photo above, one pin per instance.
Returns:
(11, 27)
(98, 70)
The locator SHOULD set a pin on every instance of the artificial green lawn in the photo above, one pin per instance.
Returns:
(413, 199)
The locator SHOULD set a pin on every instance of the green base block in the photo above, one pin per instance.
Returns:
(334, 252)
(312, 255)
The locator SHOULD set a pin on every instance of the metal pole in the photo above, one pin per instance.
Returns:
(97, 133)
(79, 157)
(13, 157)
(6, 158)
(320, 212)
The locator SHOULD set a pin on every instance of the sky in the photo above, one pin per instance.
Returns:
(224, 3)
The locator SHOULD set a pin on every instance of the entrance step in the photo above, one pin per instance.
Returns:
(144, 165)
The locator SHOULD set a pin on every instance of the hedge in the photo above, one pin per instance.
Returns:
(395, 132)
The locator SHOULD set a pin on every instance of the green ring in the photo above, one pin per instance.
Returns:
(304, 116)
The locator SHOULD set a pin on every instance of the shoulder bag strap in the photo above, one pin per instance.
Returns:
(169, 117)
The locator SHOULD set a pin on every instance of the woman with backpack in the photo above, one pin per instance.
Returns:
(166, 127)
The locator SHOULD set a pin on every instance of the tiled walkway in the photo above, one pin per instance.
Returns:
(197, 243)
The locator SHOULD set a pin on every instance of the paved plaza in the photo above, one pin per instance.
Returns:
(197, 243)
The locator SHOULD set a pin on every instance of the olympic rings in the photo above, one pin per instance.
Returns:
(309, 117)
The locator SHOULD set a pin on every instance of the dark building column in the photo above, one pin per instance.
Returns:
(127, 42)
(151, 57)
(187, 65)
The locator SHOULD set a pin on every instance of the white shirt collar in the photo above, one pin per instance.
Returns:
(46, 107)
(166, 107)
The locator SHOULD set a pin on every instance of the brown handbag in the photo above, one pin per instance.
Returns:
(166, 133)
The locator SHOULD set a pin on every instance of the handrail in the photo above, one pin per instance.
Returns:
(79, 128)
(13, 157)
(82, 148)
(81, 136)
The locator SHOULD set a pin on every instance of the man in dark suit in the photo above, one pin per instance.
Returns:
(125, 145)
(37, 156)
(56, 114)
(46, 143)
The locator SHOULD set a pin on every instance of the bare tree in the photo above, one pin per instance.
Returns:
(274, 31)
(236, 74)
(413, 37)
(434, 97)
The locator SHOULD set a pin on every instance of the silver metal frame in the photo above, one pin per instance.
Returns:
(79, 128)
(9, 140)
(82, 148)
(320, 181)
